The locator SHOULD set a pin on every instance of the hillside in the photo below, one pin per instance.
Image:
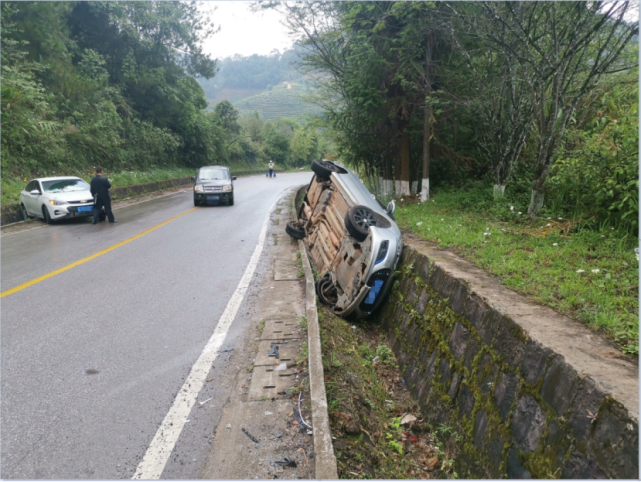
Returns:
(283, 100)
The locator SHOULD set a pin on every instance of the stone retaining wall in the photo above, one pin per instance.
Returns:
(527, 402)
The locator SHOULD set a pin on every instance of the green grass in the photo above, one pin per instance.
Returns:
(540, 257)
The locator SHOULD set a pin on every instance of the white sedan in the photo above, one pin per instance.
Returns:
(54, 198)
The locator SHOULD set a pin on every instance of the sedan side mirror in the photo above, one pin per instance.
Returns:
(391, 207)
(233, 178)
(193, 178)
(35, 192)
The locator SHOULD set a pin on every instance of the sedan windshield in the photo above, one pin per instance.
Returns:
(213, 174)
(65, 185)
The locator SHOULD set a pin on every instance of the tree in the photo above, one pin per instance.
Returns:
(563, 49)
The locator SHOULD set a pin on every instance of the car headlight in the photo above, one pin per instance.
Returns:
(55, 202)
(199, 188)
(227, 188)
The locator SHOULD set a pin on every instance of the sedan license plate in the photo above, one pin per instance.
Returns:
(84, 208)
(213, 198)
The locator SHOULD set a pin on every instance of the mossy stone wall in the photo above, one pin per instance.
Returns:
(521, 410)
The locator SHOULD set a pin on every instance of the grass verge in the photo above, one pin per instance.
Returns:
(589, 275)
(367, 400)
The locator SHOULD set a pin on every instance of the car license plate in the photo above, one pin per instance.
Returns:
(84, 208)
(213, 198)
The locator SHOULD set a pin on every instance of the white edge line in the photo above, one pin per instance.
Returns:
(163, 443)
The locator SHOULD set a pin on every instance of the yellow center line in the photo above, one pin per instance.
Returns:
(89, 258)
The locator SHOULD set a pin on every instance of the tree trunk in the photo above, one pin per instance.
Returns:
(427, 128)
(405, 164)
(397, 168)
(499, 191)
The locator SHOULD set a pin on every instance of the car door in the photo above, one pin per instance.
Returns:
(30, 200)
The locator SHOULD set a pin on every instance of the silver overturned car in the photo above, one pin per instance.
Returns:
(352, 239)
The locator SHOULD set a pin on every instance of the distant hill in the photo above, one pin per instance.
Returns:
(259, 82)
(283, 100)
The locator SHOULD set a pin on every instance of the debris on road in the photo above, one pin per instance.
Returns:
(274, 351)
(254, 439)
(202, 403)
(286, 462)
(281, 367)
(408, 418)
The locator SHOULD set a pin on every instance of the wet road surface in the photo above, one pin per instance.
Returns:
(92, 358)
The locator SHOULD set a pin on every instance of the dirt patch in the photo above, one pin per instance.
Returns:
(376, 423)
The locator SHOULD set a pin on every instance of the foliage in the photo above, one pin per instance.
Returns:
(589, 275)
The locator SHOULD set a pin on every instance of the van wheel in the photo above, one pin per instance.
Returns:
(324, 168)
(358, 220)
(295, 230)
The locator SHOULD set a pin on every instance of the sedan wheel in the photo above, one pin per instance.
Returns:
(358, 220)
(45, 214)
(23, 210)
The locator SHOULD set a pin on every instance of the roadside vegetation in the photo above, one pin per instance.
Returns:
(114, 84)
(367, 400)
(590, 274)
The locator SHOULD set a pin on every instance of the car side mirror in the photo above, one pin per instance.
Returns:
(35, 192)
(233, 178)
(193, 178)
(391, 207)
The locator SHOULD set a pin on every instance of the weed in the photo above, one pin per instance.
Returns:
(303, 355)
(276, 221)
(386, 355)
(302, 321)
(278, 210)
(250, 369)
(397, 447)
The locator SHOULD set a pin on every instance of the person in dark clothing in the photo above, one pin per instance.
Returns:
(100, 191)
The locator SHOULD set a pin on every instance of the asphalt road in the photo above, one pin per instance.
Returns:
(93, 357)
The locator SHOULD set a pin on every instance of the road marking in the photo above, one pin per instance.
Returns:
(163, 443)
(89, 258)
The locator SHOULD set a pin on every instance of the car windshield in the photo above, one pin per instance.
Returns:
(213, 174)
(65, 185)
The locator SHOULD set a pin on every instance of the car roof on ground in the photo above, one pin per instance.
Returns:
(59, 178)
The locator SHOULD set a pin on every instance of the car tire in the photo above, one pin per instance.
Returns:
(196, 203)
(295, 230)
(230, 201)
(322, 287)
(45, 214)
(24, 212)
(358, 220)
(324, 169)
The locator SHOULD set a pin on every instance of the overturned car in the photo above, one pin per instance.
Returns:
(352, 239)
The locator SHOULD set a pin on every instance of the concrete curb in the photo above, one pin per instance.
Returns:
(324, 458)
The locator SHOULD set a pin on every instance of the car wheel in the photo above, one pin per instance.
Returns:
(295, 230)
(45, 214)
(324, 168)
(358, 220)
(230, 201)
(326, 291)
(24, 212)
(196, 203)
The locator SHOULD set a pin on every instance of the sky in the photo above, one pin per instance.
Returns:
(244, 32)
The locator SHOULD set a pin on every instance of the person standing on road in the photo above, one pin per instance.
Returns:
(271, 168)
(100, 191)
